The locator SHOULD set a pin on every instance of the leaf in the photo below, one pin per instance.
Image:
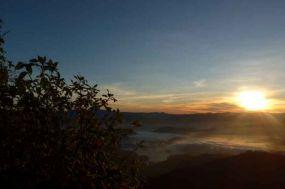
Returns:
(34, 60)
(38, 89)
(29, 68)
(42, 59)
(22, 75)
(19, 66)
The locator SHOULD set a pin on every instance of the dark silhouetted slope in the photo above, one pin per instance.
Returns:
(251, 170)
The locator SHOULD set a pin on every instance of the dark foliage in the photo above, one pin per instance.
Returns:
(52, 134)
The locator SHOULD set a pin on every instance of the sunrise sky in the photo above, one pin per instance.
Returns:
(159, 55)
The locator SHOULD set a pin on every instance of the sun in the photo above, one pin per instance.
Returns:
(253, 100)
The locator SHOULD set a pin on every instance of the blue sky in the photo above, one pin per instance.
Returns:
(157, 55)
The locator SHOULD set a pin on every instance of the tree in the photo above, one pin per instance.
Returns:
(60, 134)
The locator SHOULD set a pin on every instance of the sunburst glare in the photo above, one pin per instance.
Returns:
(253, 100)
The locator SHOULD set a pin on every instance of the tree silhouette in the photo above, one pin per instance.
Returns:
(60, 134)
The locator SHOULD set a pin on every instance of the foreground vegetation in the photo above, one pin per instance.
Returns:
(60, 134)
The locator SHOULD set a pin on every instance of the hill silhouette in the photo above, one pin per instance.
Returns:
(250, 170)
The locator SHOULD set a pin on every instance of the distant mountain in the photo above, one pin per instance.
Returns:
(206, 121)
(160, 116)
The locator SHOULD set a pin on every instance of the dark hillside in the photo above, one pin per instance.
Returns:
(249, 170)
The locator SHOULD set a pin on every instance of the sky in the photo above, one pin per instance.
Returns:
(158, 55)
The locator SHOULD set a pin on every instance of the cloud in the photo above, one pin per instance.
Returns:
(182, 108)
(200, 83)
(222, 107)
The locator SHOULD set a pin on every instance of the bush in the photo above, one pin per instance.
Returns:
(60, 134)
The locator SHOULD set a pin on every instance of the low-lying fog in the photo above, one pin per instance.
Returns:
(166, 135)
